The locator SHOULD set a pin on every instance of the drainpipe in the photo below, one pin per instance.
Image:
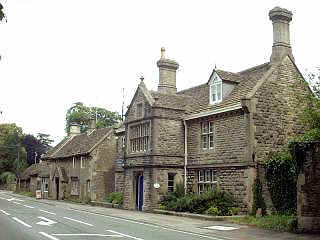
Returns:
(185, 155)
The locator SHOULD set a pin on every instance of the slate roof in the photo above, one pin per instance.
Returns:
(196, 99)
(77, 145)
(40, 169)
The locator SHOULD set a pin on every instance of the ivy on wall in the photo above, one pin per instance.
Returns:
(281, 172)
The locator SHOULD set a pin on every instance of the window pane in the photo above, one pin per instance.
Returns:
(219, 91)
(208, 176)
(211, 141)
(201, 175)
(210, 126)
(204, 140)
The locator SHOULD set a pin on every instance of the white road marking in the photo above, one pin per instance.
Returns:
(155, 226)
(46, 222)
(124, 235)
(17, 203)
(22, 222)
(3, 198)
(47, 212)
(71, 219)
(14, 199)
(27, 206)
(86, 234)
(48, 236)
(8, 214)
(222, 228)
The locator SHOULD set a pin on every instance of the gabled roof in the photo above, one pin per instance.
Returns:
(246, 80)
(78, 145)
(41, 169)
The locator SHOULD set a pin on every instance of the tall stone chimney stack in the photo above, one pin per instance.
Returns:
(92, 125)
(167, 74)
(281, 19)
(74, 130)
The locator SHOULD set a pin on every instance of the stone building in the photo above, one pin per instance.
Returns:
(35, 177)
(213, 134)
(82, 165)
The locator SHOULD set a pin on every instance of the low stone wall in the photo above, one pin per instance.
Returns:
(308, 187)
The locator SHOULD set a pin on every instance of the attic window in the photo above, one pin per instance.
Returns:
(215, 90)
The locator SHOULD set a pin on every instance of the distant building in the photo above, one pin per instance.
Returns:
(215, 134)
(82, 165)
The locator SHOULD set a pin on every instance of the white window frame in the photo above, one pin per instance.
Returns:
(82, 162)
(206, 180)
(207, 136)
(215, 86)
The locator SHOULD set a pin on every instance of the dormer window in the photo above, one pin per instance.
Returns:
(215, 90)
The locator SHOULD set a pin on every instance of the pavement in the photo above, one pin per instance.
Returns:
(28, 218)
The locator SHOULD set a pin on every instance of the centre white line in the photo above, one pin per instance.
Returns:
(17, 203)
(27, 206)
(48, 236)
(124, 235)
(86, 234)
(47, 212)
(8, 214)
(71, 219)
(154, 226)
(22, 222)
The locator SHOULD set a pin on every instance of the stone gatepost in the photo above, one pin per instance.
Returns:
(308, 189)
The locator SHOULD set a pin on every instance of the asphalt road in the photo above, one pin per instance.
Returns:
(26, 218)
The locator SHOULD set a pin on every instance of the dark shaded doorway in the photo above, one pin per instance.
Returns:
(57, 188)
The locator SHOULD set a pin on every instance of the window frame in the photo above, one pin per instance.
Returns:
(203, 184)
(215, 86)
(140, 112)
(207, 135)
(82, 162)
(139, 137)
(171, 181)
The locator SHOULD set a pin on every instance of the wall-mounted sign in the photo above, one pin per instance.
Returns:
(156, 185)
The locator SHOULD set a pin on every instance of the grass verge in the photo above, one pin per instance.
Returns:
(287, 223)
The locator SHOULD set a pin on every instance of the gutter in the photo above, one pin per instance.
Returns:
(185, 155)
(214, 112)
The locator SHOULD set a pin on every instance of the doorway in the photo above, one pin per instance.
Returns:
(139, 192)
(57, 188)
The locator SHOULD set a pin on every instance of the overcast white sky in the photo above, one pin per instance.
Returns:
(56, 53)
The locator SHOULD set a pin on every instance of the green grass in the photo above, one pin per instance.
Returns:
(28, 194)
(287, 223)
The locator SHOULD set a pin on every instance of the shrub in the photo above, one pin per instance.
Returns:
(7, 177)
(235, 211)
(281, 175)
(115, 198)
(214, 211)
(203, 203)
(258, 201)
(87, 200)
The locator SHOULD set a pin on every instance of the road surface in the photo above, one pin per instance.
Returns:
(23, 218)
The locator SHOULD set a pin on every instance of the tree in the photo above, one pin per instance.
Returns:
(12, 154)
(36, 146)
(81, 114)
(2, 15)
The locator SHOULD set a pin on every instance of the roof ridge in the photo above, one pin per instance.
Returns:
(254, 68)
(187, 89)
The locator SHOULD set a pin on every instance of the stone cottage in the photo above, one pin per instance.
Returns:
(82, 165)
(35, 177)
(213, 134)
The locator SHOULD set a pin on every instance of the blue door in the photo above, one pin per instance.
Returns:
(140, 193)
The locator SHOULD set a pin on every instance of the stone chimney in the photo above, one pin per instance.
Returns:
(280, 18)
(167, 74)
(92, 125)
(74, 129)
